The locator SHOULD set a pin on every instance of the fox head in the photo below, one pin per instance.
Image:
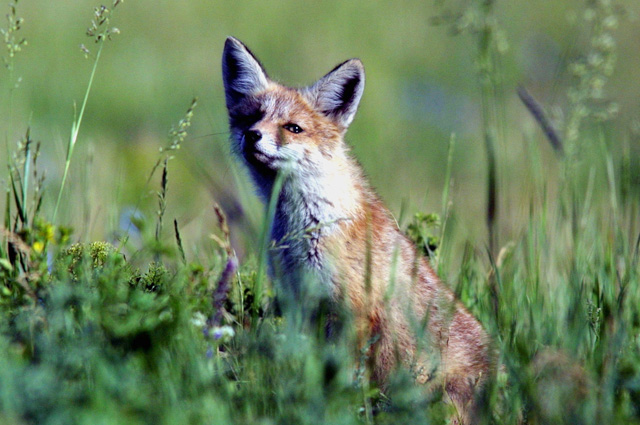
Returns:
(297, 131)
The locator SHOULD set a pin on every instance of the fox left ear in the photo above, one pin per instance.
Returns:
(338, 93)
(242, 73)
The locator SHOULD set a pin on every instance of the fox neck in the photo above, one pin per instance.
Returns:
(311, 205)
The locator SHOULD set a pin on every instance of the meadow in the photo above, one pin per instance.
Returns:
(505, 138)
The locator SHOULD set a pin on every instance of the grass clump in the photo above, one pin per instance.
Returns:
(101, 334)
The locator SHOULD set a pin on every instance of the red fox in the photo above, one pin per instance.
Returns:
(352, 244)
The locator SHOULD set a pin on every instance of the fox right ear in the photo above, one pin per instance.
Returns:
(242, 73)
(338, 93)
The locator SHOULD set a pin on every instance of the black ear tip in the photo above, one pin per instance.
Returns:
(232, 43)
(232, 49)
(353, 68)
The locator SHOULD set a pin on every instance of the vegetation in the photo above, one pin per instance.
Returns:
(110, 315)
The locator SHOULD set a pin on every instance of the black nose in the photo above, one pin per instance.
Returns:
(252, 136)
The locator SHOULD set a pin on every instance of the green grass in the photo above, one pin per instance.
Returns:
(179, 324)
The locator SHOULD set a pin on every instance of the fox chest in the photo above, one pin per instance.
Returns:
(298, 243)
(301, 246)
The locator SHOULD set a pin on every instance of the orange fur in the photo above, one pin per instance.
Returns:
(351, 244)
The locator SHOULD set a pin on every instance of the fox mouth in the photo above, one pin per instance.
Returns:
(264, 159)
(262, 162)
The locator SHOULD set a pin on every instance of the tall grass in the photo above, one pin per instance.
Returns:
(97, 333)
(100, 31)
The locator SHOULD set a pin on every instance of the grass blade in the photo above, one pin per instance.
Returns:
(75, 129)
(264, 239)
(179, 242)
(17, 198)
(25, 174)
(541, 118)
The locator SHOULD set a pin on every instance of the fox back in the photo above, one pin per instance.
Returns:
(333, 227)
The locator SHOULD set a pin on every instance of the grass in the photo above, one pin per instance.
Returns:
(149, 329)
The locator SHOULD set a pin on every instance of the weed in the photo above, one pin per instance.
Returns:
(100, 32)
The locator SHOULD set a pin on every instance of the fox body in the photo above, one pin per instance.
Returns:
(351, 244)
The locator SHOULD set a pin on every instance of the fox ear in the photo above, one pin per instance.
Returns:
(242, 73)
(338, 93)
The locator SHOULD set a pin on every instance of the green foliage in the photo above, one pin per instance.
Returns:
(162, 331)
(102, 336)
(422, 231)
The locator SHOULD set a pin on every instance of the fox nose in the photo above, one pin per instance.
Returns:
(252, 136)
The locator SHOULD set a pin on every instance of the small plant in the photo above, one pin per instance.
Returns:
(592, 70)
(422, 231)
(12, 42)
(177, 135)
(100, 31)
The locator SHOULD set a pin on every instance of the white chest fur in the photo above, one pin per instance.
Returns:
(310, 206)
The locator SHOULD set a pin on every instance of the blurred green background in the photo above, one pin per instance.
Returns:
(422, 85)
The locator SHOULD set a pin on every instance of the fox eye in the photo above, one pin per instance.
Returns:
(294, 128)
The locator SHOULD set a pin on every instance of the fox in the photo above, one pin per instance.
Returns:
(352, 245)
